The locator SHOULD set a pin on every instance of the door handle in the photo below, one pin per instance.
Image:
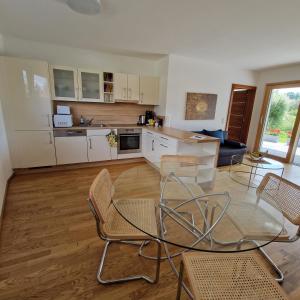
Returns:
(50, 138)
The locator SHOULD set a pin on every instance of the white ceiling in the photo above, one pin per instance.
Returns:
(250, 34)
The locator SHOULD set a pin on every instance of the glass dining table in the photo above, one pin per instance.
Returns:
(192, 215)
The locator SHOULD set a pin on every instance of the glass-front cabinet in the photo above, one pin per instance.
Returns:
(89, 86)
(64, 84)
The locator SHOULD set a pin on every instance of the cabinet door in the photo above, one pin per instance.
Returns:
(71, 150)
(149, 90)
(120, 86)
(133, 87)
(98, 148)
(89, 86)
(64, 85)
(26, 94)
(32, 149)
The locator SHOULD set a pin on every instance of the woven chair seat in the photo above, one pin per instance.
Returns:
(230, 277)
(140, 212)
(176, 191)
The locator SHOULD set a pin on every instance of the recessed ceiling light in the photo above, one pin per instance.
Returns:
(87, 7)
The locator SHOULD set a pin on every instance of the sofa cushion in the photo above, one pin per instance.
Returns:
(216, 133)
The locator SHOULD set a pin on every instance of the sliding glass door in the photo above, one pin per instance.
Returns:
(280, 122)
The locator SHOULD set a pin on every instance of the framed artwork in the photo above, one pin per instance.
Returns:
(200, 106)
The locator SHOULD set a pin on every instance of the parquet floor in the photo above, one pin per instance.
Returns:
(50, 249)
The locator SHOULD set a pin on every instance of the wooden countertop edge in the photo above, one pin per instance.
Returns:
(181, 135)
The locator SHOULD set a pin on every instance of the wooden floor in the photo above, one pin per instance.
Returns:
(50, 248)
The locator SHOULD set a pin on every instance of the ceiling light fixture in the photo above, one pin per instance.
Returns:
(87, 7)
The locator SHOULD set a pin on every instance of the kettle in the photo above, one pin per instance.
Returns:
(142, 120)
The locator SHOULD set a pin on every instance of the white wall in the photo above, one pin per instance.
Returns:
(193, 75)
(5, 163)
(68, 56)
(162, 71)
(273, 75)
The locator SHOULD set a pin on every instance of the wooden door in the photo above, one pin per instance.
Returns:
(240, 112)
(149, 90)
(120, 86)
(133, 87)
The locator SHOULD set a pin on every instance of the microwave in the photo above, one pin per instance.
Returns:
(62, 120)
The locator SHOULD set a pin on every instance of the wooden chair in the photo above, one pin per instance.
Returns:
(112, 227)
(180, 166)
(228, 276)
(286, 195)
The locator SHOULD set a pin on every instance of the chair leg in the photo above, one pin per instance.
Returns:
(275, 267)
(129, 278)
(180, 278)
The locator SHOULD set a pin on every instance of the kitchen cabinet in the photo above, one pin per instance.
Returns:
(32, 149)
(133, 87)
(64, 83)
(126, 87)
(98, 146)
(149, 90)
(89, 86)
(71, 146)
(120, 80)
(26, 94)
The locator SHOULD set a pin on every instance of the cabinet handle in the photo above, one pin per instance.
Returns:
(164, 146)
(152, 145)
(90, 140)
(164, 138)
(124, 93)
(50, 138)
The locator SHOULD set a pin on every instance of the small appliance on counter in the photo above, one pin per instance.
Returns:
(142, 120)
(149, 115)
(63, 118)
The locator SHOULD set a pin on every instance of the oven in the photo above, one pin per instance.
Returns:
(129, 140)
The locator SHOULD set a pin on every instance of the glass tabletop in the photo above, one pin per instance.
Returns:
(265, 163)
(222, 216)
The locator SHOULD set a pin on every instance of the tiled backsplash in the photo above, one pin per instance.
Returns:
(107, 113)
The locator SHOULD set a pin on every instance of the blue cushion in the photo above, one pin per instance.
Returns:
(215, 133)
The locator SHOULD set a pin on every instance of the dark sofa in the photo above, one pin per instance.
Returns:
(227, 147)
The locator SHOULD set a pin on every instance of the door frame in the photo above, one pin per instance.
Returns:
(262, 119)
(240, 86)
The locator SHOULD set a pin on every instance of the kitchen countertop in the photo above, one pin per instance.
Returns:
(182, 135)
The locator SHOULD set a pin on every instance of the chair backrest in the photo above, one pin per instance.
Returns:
(174, 163)
(101, 194)
(285, 194)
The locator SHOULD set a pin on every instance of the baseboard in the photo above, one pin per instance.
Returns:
(78, 166)
(4, 198)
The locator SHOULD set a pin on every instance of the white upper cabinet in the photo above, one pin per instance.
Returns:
(90, 85)
(64, 83)
(149, 90)
(133, 87)
(127, 87)
(120, 85)
(26, 94)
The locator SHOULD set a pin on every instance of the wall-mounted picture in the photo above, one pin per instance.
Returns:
(200, 106)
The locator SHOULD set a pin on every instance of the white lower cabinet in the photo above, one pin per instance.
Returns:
(71, 149)
(34, 148)
(155, 145)
(98, 146)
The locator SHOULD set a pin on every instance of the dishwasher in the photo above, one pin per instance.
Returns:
(71, 146)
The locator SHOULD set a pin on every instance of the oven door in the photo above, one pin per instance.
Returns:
(129, 143)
